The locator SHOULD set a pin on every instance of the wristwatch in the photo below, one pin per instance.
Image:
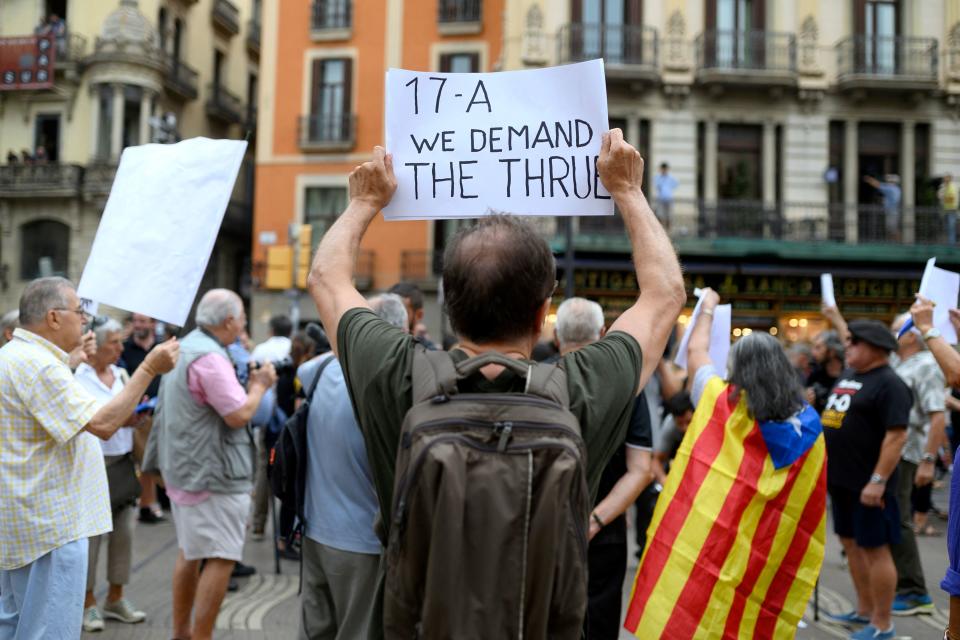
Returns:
(931, 333)
(929, 457)
(877, 479)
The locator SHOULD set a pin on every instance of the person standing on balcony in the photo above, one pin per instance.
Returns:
(891, 195)
(949, 198)
(666, 185)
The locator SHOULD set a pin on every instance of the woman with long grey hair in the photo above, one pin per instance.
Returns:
(745, 498)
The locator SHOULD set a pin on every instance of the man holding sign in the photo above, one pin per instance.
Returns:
(499, 278)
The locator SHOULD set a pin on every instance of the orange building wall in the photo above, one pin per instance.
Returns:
(276, 180)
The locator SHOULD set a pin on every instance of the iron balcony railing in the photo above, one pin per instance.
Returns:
(224, 105)
(459, 11)
(331, 14)
(181, 79)
(794, 222)
(363, 270)
(888, 56)
(747, 51)
(328, 130)
(72, 47)
(617, 44)
(421, 267)
(24, 179)
(226, 15)
(253, 35)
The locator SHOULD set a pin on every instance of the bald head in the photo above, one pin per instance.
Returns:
(497, 275)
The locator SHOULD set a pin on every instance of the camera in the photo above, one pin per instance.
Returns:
(283, 366)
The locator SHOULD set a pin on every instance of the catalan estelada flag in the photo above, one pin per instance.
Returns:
(736, 541)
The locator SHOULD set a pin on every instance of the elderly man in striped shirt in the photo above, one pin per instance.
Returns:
(53, 485)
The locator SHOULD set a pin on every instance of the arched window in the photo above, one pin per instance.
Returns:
(45, 246)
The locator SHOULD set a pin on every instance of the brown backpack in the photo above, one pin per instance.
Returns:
(491, 506)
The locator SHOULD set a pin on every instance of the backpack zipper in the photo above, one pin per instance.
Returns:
(407, 438)
(401, 496)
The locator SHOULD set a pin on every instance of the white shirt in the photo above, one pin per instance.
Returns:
(271, 350)
(121, 442)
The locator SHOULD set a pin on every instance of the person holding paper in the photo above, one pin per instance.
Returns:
(865, 424)
(828, 365)
(949, 361)
(202, 445)
(53, 484)
(765, 456)
(499, 277)
(926, 433)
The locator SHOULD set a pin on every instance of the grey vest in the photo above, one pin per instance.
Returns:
(190, 444)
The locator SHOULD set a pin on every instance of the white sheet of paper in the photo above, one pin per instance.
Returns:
(466, 145)
(719, 337)
(159, 226)
(826, 289)
(943, 288)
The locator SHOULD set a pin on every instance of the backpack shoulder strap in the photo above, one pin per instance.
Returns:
(548, 381)
(316, 378)
(434, 374)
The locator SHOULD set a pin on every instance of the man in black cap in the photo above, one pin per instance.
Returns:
(865, 428)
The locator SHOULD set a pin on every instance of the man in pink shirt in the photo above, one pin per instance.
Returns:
(202, 445)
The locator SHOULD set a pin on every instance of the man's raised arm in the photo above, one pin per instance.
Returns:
(331, 276)
(651, 318)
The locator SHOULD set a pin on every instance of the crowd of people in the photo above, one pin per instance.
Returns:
(480, 489)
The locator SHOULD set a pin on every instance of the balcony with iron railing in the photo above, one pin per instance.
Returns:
(181, 79)
(328, 132)
(459, 11)
(253, 36)
(887, 62)
(801, 230)
(71, 49)
(746, 57)
(331, 19)
(421, 267)
(224, 106)
(226, 16)
(40, 180)
(629, 51)
(459, 17)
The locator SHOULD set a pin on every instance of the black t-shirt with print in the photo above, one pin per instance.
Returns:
(860, 410)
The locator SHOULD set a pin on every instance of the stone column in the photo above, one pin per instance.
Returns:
(710, 162)
(851, 180)
(95, 120)
(768, 159)
(146, 106)
(116, 130)
(908, 180)
(633, 130)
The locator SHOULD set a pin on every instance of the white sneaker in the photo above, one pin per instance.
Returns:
(124, 611)
(92, 620)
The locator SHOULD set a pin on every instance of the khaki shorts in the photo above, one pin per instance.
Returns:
(214, 528)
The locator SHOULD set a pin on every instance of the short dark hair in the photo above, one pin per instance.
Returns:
(409, 291)
(664, 165)
(496, 275)
(280, 325)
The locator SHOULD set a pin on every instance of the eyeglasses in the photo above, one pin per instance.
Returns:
(84, 316)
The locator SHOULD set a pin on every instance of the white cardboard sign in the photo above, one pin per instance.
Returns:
(159, 226)
(466, 145)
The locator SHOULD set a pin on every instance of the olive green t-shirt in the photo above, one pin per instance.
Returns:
(377, 359)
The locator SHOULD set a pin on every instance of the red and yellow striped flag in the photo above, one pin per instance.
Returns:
(736, 541)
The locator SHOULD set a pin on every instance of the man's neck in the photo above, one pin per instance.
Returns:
(520, 349)
(834, 367)
(905, 353)
(875, 364)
